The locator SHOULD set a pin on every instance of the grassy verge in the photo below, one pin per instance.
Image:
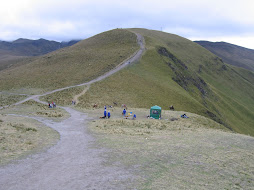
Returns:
(33, 108)
(22, 136)
(193, 153)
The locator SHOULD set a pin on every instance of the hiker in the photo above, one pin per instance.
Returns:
(49, 105)
(134, 117)
(105, 107)
(108, 114)
(54, 105)
(124, 106)
(124, 112)
(105, 113)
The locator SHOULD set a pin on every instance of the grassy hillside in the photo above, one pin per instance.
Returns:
(10, 61)
(176, 71)
(72, 65)
(231, 54)
(172, 71)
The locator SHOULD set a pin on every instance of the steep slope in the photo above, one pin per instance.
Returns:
(72, 65)
(231, 54)
(176, 71)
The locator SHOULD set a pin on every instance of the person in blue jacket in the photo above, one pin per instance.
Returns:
(105, 113)
(124, 112)
(108, 114)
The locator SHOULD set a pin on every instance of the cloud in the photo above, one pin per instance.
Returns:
(65, 20)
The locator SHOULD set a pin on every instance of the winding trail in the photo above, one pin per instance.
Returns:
(135, 57)
(74, 162)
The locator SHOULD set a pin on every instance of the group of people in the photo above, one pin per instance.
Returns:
(106, 113)
(124, 114)
(52, 105)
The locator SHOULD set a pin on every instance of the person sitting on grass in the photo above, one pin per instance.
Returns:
(184, 116)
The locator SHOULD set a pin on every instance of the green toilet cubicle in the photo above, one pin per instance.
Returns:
(155, 112)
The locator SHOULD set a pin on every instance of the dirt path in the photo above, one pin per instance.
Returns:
(71, 164)
(74, 163)
(75, 98)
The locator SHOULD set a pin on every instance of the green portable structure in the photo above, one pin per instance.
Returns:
(155, 112)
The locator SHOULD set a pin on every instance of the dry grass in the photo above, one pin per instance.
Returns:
(193, 153)
(9, 99)
(64, 97)
(22, 136)
(33, 108)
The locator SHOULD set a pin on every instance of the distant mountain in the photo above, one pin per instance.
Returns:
(12, 53)
(231, 54)
(26, 47)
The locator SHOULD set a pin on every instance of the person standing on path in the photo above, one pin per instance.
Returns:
(105, 113)
(108, 114)
(124, 112)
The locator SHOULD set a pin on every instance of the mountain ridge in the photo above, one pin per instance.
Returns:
(27, 47)
(231, 54)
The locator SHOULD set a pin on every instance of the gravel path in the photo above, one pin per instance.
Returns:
(74, 163)
(71, 164)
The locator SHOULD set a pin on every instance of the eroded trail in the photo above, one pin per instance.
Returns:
(74, 162)
(75, 98)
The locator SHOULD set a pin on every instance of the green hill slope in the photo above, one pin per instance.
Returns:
(176, 71)
(72, 65)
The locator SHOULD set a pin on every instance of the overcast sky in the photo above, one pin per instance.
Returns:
(62, 20)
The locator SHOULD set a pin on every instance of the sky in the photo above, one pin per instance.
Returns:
(230, 21)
